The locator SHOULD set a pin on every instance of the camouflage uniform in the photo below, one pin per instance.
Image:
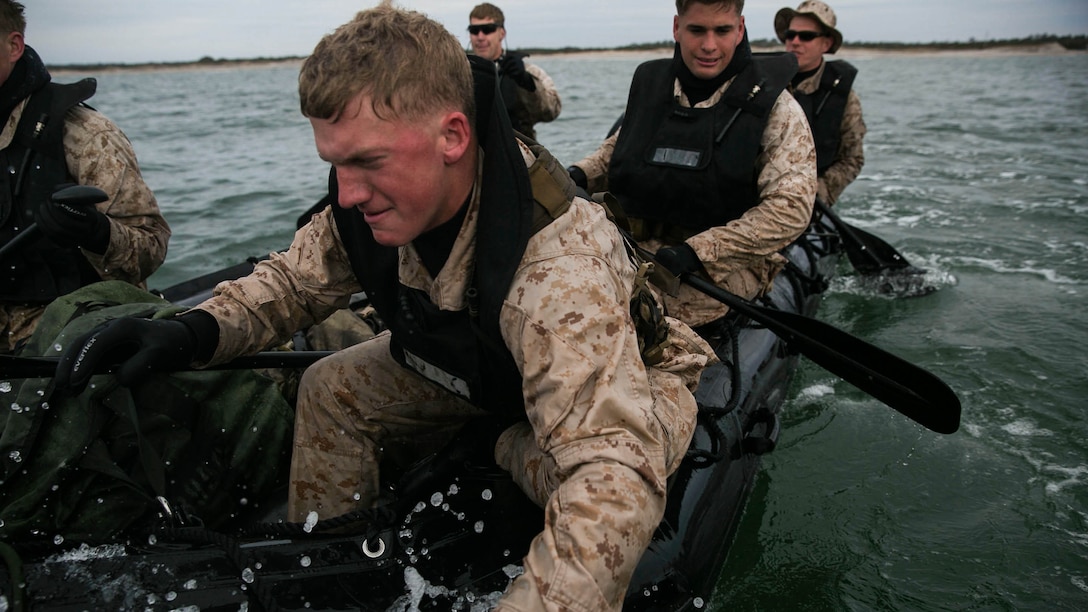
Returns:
(743, 256)
(540, 106)
(603, 431)
(851, 155)
(99, 154)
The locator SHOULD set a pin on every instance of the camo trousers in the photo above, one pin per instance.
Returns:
(353, 407)
(359, 403)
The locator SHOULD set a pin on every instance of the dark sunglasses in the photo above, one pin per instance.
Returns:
(486, 28)
(805, 35)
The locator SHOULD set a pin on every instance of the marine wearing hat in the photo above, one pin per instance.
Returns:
(825, 91)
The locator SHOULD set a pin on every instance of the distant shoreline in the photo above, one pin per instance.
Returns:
(847, 51)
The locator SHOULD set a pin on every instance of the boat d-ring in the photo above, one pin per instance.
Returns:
(375, 552)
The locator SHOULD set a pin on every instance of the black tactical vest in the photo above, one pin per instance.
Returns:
(463, 350)
(825, 108)
(694, 168)
(31, 168)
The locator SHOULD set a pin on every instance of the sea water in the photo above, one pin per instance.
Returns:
(976, 169)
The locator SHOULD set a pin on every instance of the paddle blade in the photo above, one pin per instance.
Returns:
(903, 386)
(913, 391)
(869, 254)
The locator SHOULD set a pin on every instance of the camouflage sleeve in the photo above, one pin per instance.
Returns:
(542, 105)
(592, 412)
(595, 165)
(99, 154)
(787, 189)
(289, 291)
(851, 155)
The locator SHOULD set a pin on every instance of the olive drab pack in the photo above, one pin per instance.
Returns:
(205, 446)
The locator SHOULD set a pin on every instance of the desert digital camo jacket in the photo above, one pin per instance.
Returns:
(603, 432)
(851, 154)
(99, 154)
(743, 255)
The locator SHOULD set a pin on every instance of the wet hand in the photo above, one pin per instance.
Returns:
(139, 346)
(513, 65)
(68, 225)
(680, 259)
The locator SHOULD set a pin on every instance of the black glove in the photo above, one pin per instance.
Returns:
(513, 65)
(72, 226)
(578, 176)
(680, 259)
(140, 346)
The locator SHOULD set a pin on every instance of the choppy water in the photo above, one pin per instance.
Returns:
(976, 169)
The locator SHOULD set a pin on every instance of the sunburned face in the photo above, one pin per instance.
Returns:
(397, 173)
(487, 46)
(708, 36)
(811, 52)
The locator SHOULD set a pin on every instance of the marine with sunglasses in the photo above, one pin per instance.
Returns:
(714, 164)
(528, 91)
(825, 91)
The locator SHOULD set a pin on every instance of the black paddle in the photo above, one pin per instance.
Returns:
(911, 390)
(74, 195)
(12, 367)
(867, 253)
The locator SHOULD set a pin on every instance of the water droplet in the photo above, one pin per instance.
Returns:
(58, 539)
(5, 387)
(479, 526)
(698, 602)
(171, 596)
(247, 576)
(436, 499)
(189, 585)
(486, 494)
(304, 561)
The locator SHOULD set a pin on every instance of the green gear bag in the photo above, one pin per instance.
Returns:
(214, 445)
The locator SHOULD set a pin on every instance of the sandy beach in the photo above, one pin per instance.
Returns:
(846, 52)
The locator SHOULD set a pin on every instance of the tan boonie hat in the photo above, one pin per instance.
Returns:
(816, 10)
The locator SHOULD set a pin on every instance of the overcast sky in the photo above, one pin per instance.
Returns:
(134, 31)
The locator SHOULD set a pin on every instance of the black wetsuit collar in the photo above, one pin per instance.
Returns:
(434, 246)
(27, 76)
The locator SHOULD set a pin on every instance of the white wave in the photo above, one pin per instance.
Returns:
(817, 391)
(1024, 427)
(996, 265)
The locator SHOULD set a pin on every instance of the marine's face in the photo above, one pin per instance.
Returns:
(395, 172)
(708, 35)
(809, 52)
(487, 44)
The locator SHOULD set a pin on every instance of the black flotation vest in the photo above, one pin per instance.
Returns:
(825, 108)
(462, 350)
(32, 167)
(694, 168)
